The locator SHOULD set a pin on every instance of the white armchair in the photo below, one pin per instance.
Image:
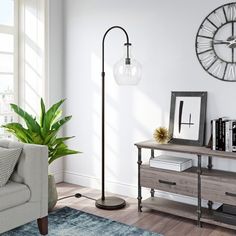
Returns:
(25, 197)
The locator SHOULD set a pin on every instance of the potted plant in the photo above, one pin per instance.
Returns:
(44, 132)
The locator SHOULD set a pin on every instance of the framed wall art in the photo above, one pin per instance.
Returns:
(188, 118)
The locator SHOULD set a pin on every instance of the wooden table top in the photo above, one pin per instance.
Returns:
(152, 144)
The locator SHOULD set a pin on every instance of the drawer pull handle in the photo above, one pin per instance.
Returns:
(230, 194)
(166, 182)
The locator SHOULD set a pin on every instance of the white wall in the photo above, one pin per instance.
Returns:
(55, 66)
(163, 36)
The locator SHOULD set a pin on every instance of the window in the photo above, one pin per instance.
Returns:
(23, 68)
(8, 60)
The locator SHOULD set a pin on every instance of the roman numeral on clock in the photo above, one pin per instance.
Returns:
(208, 30)
(226, 20)
(231, 12)
(217, 17)
(231, 72)
(218, 66)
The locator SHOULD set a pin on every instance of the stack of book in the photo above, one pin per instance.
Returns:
(171, 163)
(223, 133)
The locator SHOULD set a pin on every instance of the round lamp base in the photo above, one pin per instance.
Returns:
(110, 203)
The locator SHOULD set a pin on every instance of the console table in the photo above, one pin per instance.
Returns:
(200, 182)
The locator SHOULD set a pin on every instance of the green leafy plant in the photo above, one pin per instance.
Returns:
(45, 131)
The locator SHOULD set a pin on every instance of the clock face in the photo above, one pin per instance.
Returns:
(216, 43)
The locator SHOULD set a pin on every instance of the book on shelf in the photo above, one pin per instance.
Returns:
(234, 136)
(171, 163)
(223, 133)
(213, 134)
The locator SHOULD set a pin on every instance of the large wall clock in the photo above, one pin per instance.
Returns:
(216, 43)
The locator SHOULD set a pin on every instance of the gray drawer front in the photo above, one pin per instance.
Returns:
(218, 191)
(169, 182)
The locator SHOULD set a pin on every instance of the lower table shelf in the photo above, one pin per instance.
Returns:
(182, 210)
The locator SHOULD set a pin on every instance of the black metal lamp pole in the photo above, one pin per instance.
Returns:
(109, 203)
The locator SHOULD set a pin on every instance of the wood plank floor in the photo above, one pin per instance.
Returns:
(165, 224)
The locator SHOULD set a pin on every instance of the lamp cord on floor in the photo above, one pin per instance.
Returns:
(77, 195)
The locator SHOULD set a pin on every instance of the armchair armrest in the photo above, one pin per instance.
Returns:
(32, 170)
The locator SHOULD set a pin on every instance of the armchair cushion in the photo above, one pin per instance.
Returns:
(25, 196)
(8, 160)
(13, 194)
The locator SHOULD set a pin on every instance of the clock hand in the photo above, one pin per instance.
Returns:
(232, 44)
(221, 41)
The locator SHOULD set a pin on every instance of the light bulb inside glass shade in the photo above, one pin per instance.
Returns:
(127, 71)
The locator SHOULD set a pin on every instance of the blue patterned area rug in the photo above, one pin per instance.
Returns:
(71, 222)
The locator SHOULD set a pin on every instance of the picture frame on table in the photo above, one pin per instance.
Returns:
(188, 117)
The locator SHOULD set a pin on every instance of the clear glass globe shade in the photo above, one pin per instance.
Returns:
(127, 73)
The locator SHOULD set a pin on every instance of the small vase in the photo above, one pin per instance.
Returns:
(52, 193)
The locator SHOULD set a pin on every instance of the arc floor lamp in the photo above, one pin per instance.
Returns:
(127, 71)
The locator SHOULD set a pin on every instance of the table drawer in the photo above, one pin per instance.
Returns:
(168, 181)
(218, 191)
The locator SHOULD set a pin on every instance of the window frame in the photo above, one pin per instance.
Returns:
(13, 30)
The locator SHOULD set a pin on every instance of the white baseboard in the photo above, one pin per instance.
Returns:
(94, 182)
(127, 189)
(58, 176)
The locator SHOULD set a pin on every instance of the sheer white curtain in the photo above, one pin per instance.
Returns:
(32, 54)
